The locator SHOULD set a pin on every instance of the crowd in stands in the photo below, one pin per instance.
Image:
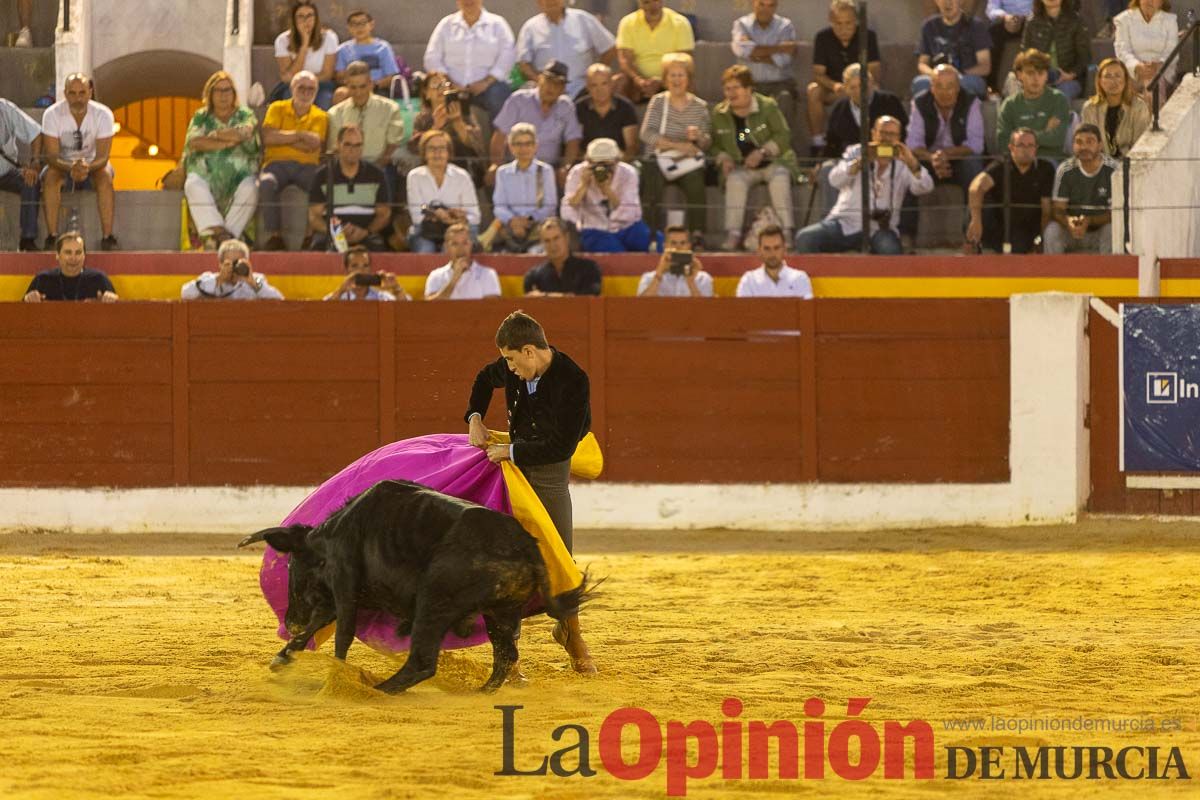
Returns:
(603, 126)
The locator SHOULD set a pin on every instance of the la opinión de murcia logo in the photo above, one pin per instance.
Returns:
(1167, 388)
(737, 749)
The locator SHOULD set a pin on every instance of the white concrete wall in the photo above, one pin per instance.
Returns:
(1165, 185)
(237, 49)
(120, 28)
(73, 48)
(1048, 455)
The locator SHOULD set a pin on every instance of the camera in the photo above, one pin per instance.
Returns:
(368, 279)
(681, 262)
(429, 209)
(242, 268)
(942, 57)
(882, 217)
(878, 150)
(460, 96)
(601, 172)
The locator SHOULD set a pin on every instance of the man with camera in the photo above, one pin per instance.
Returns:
(954, 38)
(70, 280)
(235, 279)
(462, 277)
(679, 273)
(360, 199)
(601, 199)
(361, 283)
(893, 170)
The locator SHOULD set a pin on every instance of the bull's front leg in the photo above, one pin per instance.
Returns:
(429, 627)
(347, 623)
(298, 642)
(502, 630)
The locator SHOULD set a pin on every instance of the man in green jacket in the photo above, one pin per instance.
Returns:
(751, 144)
(1041, 108)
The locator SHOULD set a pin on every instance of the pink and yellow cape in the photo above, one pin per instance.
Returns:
(449, 464)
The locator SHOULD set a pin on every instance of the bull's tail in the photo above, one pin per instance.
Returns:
(566, 604)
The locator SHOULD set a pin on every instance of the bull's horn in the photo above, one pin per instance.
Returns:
(254, 537)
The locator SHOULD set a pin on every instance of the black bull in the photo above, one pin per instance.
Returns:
(428, 559)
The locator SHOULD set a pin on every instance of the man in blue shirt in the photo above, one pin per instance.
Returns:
(551, 112)
(376, 53)
(766, 42)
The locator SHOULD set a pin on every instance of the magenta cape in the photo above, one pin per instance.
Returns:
(445, 462)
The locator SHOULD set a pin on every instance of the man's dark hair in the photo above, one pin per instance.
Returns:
(771, 230)
(359, 12)
(1087, 128)
(69, 236)
(349, 126)
(358, 248)
(519, 329)
(676, 229)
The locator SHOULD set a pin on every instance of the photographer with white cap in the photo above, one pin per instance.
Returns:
(601, 199)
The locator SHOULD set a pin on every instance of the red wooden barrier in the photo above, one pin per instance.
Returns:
(288, 393)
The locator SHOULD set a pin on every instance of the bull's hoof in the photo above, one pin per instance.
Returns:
(280, 661)
(392, 689)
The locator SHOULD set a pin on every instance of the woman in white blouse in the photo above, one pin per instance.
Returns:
(437, 181)
(674, 131)
(306, 45)
(1146, 33)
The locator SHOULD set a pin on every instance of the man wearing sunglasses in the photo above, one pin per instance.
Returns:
(77, 139)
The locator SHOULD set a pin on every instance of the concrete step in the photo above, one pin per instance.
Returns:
(26, 73)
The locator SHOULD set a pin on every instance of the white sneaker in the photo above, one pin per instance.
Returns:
(24, 38)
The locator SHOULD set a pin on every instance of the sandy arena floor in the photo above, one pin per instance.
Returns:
(136, 666)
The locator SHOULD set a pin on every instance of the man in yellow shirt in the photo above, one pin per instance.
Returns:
(293, 133)
(643, 38)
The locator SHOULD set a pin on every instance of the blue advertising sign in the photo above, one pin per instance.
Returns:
(1160, 388)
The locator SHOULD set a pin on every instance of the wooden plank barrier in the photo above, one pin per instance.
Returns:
(732, 391)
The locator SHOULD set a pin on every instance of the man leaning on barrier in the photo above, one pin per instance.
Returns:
(1030, 181)
(363, 283)
(70, 280)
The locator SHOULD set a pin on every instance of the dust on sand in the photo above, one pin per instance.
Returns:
(136, 666)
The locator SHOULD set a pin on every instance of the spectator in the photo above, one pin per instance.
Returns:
(766, 43)
(363, 46)
(360, 280)
(1146, 33)
(70, 280)
(946, 130)
(1006, 23)
(475, 49)
(293, 133)
(439, 195)
(221, 157)
(1030, 181)
(567, 35)
(24, 19)
(561, 273)
(951, 37)
(553, 114)
(461, 278)
(676, 277)
(526, 194)
(752, 144)
(601, 200)
(1055, 28)
(843, 129)
(891, 177)
(306, 45)
(774, 278)
(1040, 108)
(834, 49)
(675, 132)
(378, 118)
(361, 200)
(1082, 199)
(1119, 114)
(644, 38)
(17, 127)
(444, 109)
(235, 278)
(603, 114)
(77, 140)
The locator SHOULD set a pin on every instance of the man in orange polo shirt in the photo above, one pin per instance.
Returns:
(293, 133)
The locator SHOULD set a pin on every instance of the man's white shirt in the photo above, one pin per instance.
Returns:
(792, 283)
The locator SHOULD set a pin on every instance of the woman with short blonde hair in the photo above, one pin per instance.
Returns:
(1121, 115)
(675, 131)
